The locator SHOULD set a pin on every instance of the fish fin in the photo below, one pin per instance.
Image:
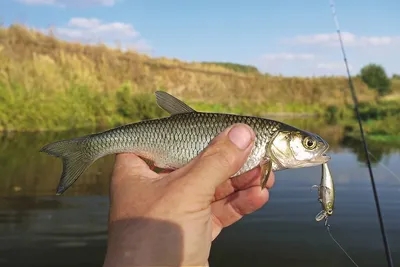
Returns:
(266, 167)
(172, 104)
(320, 216)
(74, 160)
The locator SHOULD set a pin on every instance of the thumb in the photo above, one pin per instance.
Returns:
(224, 156)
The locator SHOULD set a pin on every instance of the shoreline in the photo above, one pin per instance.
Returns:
(288, 115)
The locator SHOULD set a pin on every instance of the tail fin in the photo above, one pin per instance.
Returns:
(75, 161)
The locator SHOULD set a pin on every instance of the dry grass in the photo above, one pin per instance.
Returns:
(43, 79)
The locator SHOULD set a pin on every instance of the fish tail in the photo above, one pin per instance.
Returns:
(75, 160)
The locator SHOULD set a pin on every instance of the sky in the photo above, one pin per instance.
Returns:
(287, 37)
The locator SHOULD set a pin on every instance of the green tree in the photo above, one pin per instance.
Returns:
(375, 77)
(396, 77)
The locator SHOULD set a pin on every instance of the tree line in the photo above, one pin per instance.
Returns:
(373, 75)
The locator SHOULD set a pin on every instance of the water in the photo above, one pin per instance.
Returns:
(38, 228)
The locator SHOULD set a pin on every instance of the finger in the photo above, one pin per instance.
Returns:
(231, 209)
(225, 155)
(131, 176)
(166, 171)
(241, 182)
(131, 166)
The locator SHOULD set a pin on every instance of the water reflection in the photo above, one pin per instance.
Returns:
(26, 172)
(38, 228)
(377, 149)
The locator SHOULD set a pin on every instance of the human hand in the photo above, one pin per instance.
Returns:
(170, 219)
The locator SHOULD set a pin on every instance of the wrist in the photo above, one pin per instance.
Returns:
(144, 242)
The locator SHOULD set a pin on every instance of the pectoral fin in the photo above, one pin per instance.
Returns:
(266, 167)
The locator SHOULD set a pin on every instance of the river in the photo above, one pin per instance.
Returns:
(38, 228)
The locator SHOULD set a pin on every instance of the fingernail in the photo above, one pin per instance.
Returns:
(241, 136)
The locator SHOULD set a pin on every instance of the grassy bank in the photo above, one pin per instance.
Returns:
(47, 84)
(380, 120)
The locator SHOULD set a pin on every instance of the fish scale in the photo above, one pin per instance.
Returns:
(173, 141)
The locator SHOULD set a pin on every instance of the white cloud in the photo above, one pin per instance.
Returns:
(84, 22)
(330, 68)
(92, 30)
(288, 56)
(95, 28)
(320, 54)
(64, 3)
(333, 66)
(288, 63)
(349, 39)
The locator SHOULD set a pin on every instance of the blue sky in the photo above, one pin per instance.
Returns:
(280, 37)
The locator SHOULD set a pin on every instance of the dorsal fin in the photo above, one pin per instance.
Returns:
(172, 104)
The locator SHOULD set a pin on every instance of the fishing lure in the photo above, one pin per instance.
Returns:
(326, 194)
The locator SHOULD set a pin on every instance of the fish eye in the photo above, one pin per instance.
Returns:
(330, 212)
(309, 142)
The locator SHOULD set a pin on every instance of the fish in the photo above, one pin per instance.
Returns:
(326, 194)
(173, 141)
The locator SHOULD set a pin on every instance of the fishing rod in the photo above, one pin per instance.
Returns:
(353, 93)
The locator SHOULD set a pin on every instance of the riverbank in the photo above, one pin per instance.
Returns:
(52, 85)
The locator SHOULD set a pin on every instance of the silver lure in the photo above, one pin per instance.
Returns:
(326, 194)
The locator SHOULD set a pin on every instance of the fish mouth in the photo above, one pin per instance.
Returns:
(323, 157)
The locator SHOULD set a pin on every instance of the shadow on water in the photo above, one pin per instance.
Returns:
(38, 228)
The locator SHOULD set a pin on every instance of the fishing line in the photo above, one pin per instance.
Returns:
(385, 167)
(353, 93)
(337, 243)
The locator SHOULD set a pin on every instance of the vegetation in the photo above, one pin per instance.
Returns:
(49, 84)
(235, 67)
(376, 78)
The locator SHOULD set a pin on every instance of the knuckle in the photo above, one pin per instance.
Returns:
(219, 155)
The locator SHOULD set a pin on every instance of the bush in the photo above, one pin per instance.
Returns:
(375, 77)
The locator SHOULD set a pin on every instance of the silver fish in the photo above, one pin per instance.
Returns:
(171, 142)
(326, 194)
